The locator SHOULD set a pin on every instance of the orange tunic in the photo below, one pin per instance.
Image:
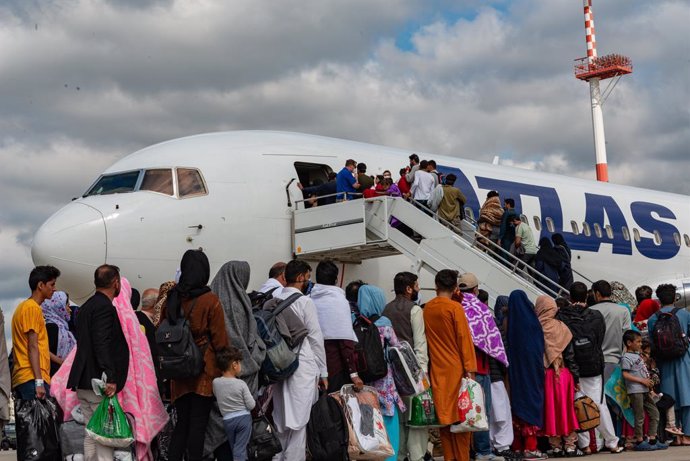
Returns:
(451, 355)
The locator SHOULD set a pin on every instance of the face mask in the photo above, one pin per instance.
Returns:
(306, 288)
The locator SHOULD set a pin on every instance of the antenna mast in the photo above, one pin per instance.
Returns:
(593, 69)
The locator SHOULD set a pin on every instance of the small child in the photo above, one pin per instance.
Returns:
(639, 385)
(234, 401)
(655, 376)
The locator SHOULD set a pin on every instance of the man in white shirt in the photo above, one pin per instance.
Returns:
(424, 183)
(276, 280)
(408, 323)
(294, 397)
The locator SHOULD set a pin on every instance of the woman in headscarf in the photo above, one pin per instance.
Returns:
(193, 397)
(500, 417)
(560, 244)
(372, 301)
(230, 285)
(57, 315)
(139, 397)
(526, 376)
(554, 266)
(490, 216)
(561, 379)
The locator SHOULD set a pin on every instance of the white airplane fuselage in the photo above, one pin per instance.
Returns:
(636, 236)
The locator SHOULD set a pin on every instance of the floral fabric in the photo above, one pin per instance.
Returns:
(388, 394)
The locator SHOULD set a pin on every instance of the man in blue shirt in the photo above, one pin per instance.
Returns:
(345, 181)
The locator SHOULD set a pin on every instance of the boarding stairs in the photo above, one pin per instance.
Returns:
(355, 230)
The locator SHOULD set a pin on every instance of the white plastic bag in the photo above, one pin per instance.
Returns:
(472, 415)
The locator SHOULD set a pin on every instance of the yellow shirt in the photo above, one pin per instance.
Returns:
(29, 317)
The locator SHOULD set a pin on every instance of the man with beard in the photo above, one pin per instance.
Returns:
(101, 349)
(408, 323)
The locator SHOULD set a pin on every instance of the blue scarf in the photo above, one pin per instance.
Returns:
(526, 354)
(371, 302)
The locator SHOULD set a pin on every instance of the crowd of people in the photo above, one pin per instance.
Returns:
(532, 360)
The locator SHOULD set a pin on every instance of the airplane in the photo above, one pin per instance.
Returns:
(233, 194)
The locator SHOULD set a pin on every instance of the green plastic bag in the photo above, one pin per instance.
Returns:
(109, 425)
(423, 411)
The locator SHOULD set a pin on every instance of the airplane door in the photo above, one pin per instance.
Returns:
(310, 174)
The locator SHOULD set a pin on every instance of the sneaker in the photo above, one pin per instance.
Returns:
(674, 431)
(645, 446)
(533, 455)
(509, 455)
(658, 445)
(489, 457)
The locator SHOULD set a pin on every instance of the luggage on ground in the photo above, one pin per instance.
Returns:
(408, 375)
(327, 431)
(371, 360)
(178, 354)
(669, 341)
(263, 444)
(281, 331)
(37, 429)
(472, 415)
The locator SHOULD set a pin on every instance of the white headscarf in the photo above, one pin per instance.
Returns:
(333, 311)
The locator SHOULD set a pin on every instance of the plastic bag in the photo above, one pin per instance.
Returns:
(37, 430)
(368, 436)
(423, 411)
(163, 439)
(109, 425)
(409, 377)
(472, 416)
(72, 438)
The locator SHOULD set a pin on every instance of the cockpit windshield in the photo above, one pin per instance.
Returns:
(115, 183)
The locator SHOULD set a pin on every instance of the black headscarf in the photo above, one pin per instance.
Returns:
(559, 240)
(195, 271)
(549, 254)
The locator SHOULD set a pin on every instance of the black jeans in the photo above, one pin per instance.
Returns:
(188, 436)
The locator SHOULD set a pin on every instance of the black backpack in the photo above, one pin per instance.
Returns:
(178, 355)
(371, 360)
(327, 431)
(588, 354)
(281, 359)
(669, 341)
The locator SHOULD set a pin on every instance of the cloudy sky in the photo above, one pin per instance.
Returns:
(85, 82)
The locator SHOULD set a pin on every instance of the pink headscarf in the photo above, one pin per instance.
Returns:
(140, 396)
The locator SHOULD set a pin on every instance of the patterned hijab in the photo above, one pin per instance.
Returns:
(621, 295)
(485, 333)
(162, 299)
(55, 311)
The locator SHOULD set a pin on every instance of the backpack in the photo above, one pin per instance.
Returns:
(588, 354)
(668, 338)
(178, 354)
(327, 431)
(371, 360)
(258, 298)
(435, 198)
(280, 333)
(587, 413)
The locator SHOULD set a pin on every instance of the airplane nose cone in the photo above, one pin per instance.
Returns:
(74, 241)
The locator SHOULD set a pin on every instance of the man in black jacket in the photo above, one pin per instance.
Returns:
(588, 328)
(101, 348)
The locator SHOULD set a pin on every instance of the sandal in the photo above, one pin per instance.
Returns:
(574, 453)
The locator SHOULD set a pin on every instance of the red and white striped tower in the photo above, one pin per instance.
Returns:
(595, 95)
(592, 69)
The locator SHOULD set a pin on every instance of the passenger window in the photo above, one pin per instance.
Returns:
(537, 223)
(576, 228)
(657, 237)
(636, 234)
(609, 231)
(626, 233)
(189, 182)
(686, 237)
(158, 180)
(676, 238)
(116, 183)
(597, 230)
(549, 225)
(586, 230)
(523, 218)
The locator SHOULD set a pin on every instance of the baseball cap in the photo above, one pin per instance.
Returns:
(467, 281)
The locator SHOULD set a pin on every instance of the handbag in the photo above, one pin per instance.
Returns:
(587, 412)
(472, 416)
(408, 376)
(423, 411)
(264, 443)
